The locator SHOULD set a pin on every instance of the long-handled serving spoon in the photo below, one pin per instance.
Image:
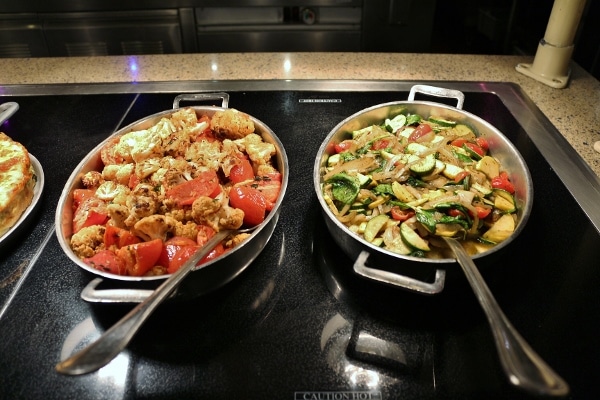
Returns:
(114, 340)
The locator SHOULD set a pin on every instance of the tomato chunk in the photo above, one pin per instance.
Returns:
(270, 187)
(91, 211)
(107, 261)
(399, 214)
(422, 132)
(205, 232)
(140, 257)
(206, 184)
(115, 236)
(502, 182)
(179, 251)
(251, 201)
(483, 143)
(80, 195)
(242, 171)
(343, 146)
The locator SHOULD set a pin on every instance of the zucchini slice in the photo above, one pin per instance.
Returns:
(489, 166)
(504, 201)
(425, 165)
(402, 193)
(501, 230)
(374, 225)
(442, 122)
(412, 238)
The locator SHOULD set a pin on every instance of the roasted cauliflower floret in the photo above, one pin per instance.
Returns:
(231, 155)
(216, 214)
(92, 179)
(237, 239)
(177, 143)
(205, 153)
(119, 215)
(112, 191)
(154, 227)
(88, 240)
(142, 203)
(184, 118)
(140, 145)
(231, 124)
(188, 230)
(266, 169)
(119, 173)
(259, 151)
(179, 172)
(147, 167)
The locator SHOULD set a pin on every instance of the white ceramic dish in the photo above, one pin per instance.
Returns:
(37, 193)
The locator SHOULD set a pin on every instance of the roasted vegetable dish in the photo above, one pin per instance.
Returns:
(406, 182)
(162, 192)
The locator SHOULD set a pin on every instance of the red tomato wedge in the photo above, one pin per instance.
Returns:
(423, 132)
(171, 247)
(178, 250)
(502, 182)
(343, 146)
(133, 181)
(206, 184)
(214, 253)
(475, 148)
(114, 236)
(483, 143)
(270, 187)
(458, 142)
(251, 201)
(242, 171)
(180, 257)
(380, 144)
(80, 195)
(205, 232)
(107, 261)
(206, 134)
(91, 211)
(399, 214)
(140, 257)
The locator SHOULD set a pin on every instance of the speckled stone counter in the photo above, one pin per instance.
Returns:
(574, 110)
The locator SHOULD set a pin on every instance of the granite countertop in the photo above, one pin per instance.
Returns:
(574, 110)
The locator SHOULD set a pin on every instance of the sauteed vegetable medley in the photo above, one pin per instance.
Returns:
(405, 183)
(162, 192)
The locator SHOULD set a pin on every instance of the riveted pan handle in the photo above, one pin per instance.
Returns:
(402, 281)
(438, 92)
(224, 97)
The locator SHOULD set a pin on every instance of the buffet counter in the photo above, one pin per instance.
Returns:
(303, 319)
(573, 111)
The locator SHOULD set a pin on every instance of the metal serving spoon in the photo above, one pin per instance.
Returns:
(524, 367)
(114, 340)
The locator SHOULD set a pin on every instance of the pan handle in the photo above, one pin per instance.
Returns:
(7, 110)
(93, 295)
(224, 97)
(402, 281)
(438, 92)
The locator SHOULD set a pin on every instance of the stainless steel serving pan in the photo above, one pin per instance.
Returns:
(384, 265)
(215, 273)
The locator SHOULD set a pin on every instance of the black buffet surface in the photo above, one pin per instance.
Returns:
(298, 323)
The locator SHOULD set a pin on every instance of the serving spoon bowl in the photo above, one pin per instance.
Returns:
(523, 366)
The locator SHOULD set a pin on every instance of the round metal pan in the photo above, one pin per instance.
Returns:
(215, 273)
(385, 265)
